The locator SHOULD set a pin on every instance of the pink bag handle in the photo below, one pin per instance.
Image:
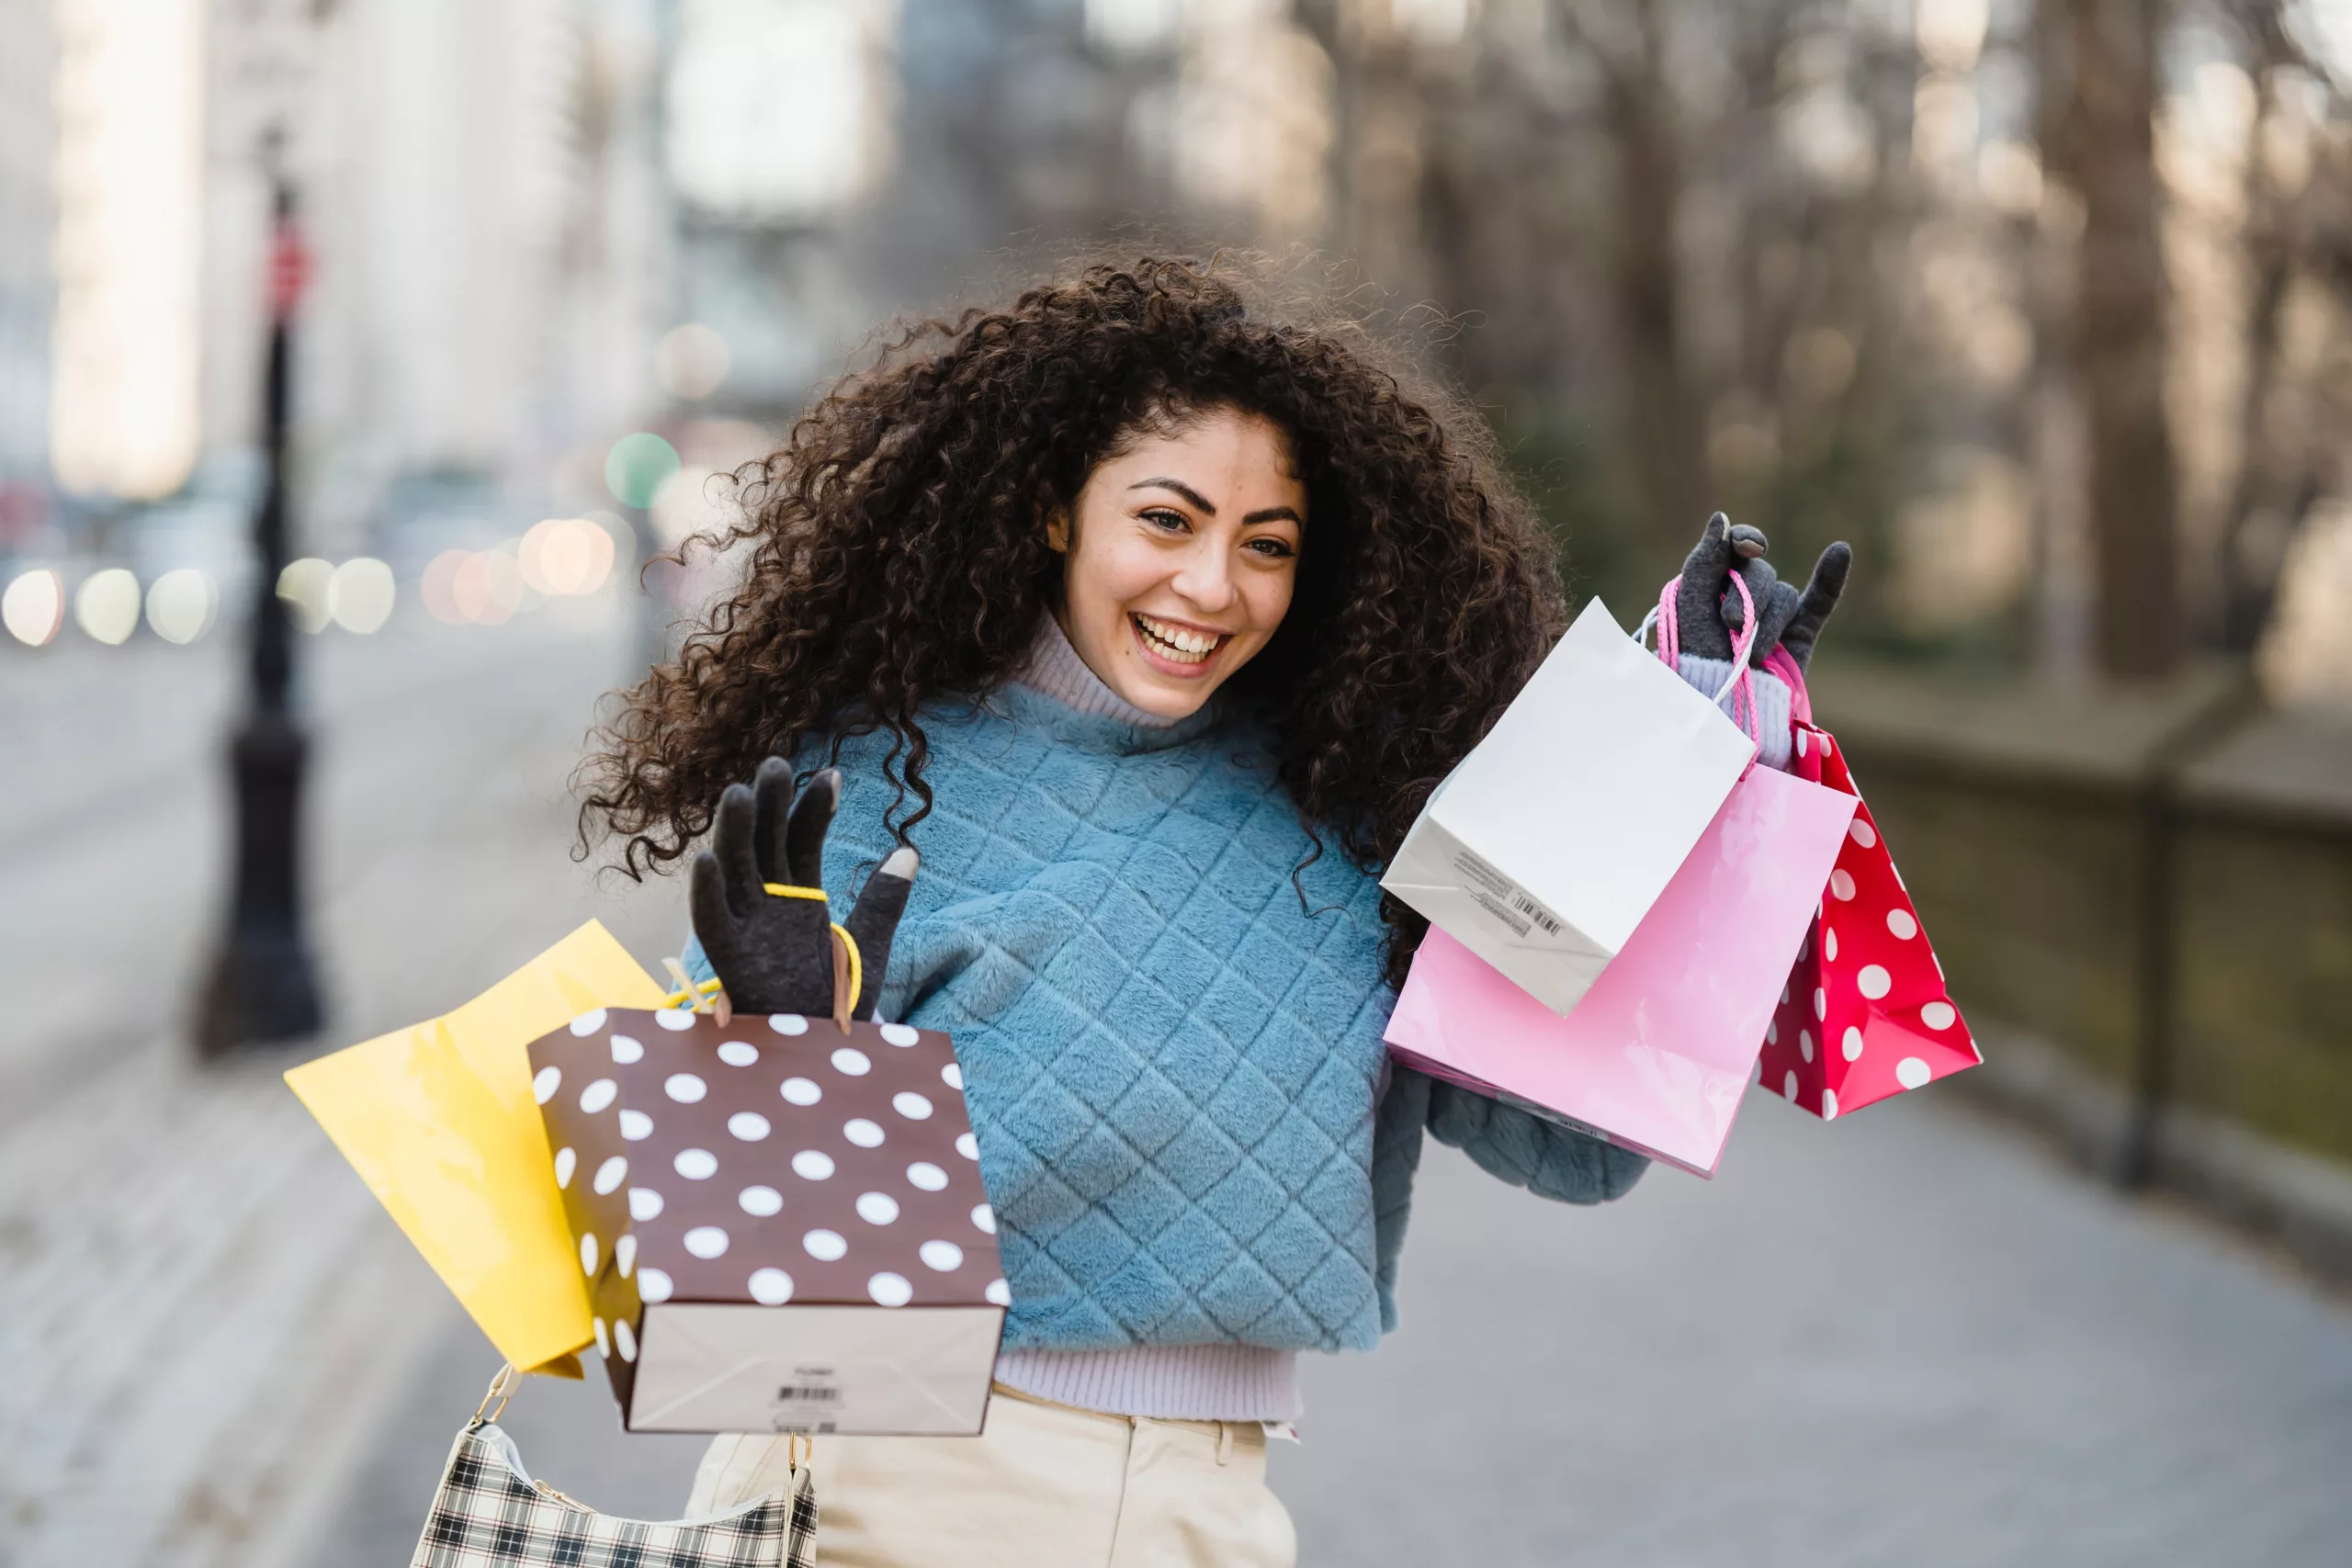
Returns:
(1782, 663)
(1739, 687)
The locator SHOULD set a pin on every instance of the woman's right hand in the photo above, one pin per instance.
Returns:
(774, 950)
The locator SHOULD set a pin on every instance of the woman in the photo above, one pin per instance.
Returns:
(1149, 616)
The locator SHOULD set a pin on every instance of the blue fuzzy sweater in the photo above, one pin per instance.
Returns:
(1186, 1121)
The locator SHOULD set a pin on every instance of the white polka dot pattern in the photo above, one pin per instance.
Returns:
(1870, 981)
(758, 1200)
(624, 1340)
(588, 1022)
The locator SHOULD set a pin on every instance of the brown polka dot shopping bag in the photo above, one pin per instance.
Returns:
(1865, 1015)
(780, 1220)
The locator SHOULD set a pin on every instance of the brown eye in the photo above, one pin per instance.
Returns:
(1270, 548)
(1161, 517)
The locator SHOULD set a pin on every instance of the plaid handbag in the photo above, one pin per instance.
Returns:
(489, 1513)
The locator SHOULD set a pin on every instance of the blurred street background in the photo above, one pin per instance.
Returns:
(2045, 305)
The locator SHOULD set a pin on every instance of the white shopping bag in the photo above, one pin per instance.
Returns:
(1543, 850)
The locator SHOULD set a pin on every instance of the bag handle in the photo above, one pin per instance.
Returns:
(849, 972)
(1781, 663)
(1738, 685)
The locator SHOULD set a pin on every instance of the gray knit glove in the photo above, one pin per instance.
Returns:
(1708, 611)
(774, 953)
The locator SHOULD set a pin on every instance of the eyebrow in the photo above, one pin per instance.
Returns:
(1263, 515)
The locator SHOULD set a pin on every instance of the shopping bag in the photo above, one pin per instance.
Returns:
(1865, 1014)
(1548, 844)
(780, 1218)
(439, 1121)
(1657, 1055)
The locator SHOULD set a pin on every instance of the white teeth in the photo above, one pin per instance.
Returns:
(1177, 643)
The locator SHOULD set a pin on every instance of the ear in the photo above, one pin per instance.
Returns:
(1058, 530)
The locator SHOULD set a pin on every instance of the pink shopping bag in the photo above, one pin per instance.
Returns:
(1865, 1015)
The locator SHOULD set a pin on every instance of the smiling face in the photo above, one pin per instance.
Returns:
(1182, 552)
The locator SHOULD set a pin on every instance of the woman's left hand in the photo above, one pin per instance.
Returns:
(1708, 610)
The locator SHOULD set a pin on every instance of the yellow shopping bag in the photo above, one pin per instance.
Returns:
(439, 1121)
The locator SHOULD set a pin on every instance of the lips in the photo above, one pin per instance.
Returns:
(1177, 643)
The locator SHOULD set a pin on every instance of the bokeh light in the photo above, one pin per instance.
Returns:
(180, 604)
(33, 608)
(360, 595)
(302, 587)
(690, 361)
(636, 466)
(107, 605)
(565, 555)
(437, 590)
(487, 587)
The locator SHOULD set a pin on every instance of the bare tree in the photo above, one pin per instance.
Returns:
(2119, 336)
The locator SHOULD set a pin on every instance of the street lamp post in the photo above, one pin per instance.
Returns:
(262, 987)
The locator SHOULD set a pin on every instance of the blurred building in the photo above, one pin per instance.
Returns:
(28, 291)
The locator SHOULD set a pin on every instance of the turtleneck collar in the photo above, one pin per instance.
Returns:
(1057, 689)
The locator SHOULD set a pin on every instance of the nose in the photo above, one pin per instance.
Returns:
(1206, 578)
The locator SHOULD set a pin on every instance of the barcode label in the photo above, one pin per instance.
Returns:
(807, 1393)
(1495, 906)
(1535, 912)
(1501, 897)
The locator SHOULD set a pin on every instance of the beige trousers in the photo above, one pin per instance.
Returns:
(1044, 1487)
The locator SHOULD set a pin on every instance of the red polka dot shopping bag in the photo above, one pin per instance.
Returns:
(780, 1220)
(1865, 1015)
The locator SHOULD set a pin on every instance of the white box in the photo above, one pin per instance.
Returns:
(1544, 848)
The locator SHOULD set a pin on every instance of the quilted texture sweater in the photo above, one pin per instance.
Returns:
(1172, 1059)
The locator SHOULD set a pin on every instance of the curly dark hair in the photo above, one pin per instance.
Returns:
(897, 554)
